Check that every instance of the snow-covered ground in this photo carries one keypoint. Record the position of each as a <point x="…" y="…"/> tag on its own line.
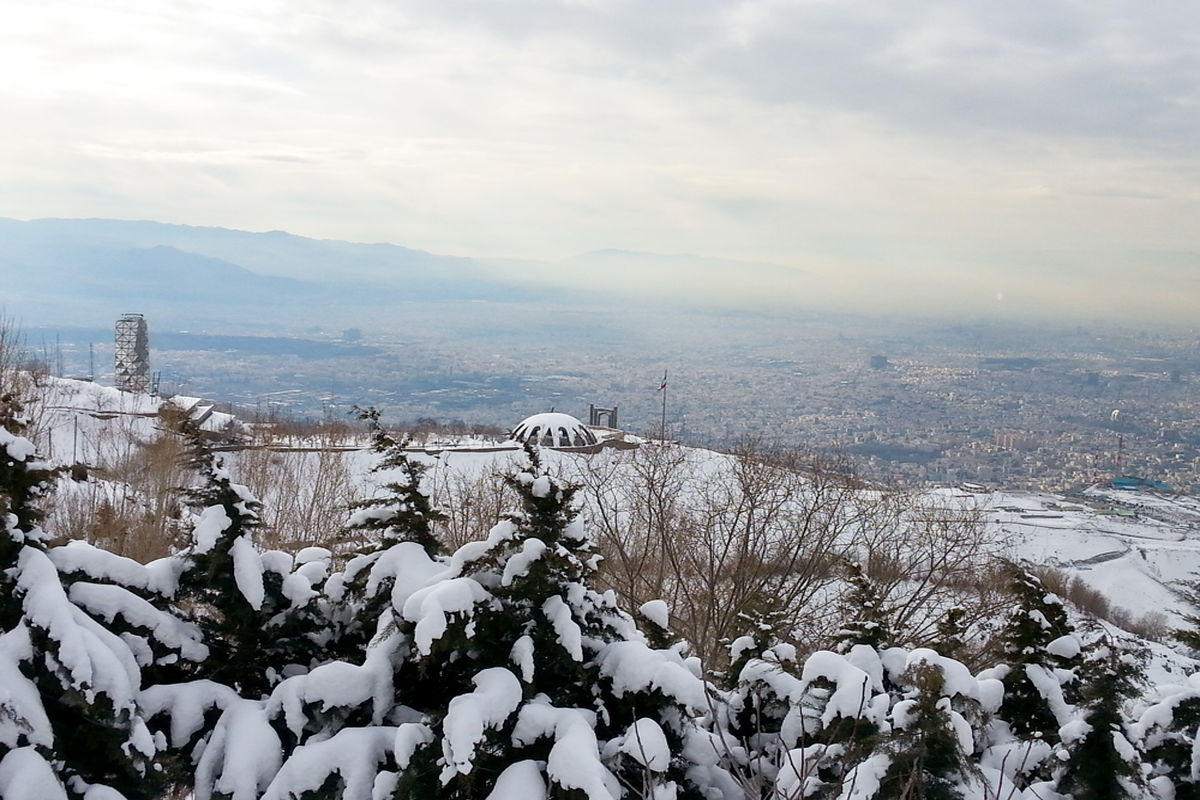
<point x="1132" y="546"/>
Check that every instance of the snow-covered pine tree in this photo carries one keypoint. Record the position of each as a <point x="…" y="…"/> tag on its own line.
<point x="1190" y="636"/>
<point x="257" y="612"/>
<point x="394" y="520"/>
<point x="402" y="512"/>
<point x="1038" y="649"/>
<point x="69" y="723"/>
<point x="862" y="607"/>
<point x="927" y="755"/>
<point x="837" y="718"/>
<point x="530" y="681"/>
<point x="1169" y="732"/>
<point x="1102" y="764"/>
<point x="761" y="682"/>
<point x="951" y="632"/>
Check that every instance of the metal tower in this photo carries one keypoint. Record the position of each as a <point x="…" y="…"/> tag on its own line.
<point x="132" y="354"/>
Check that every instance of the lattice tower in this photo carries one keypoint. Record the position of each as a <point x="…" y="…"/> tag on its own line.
<point x="132" y="353"/>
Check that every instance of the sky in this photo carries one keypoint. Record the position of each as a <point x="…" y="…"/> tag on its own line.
<point x="979" y="155"/>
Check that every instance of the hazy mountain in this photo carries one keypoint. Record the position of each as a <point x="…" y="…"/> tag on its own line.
<point x="57" y="270"/>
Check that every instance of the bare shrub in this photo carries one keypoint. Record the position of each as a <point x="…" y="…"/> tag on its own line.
<point x="472" y="502"/>
<point x="303" y="474"/>
<point x="720" y="539"/>
<point x="1153" y="625"/>
<point x="129" y="502"/>
<point x="926" y="555"/>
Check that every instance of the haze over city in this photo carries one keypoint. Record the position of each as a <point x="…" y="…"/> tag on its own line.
<point x="993" y="159"/>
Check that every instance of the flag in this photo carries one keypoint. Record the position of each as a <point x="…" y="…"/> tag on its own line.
<point x="664" y="382"/>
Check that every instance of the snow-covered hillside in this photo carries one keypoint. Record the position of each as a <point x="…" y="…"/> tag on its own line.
<point x="809" y="636"/>
<point x="1134" y="547"/>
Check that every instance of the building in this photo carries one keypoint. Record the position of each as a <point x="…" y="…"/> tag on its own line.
<point x="132" y="354"/>
<point x="554" y="430"/>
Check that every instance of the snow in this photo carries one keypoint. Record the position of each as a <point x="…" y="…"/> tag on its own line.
<point x="185" y="704"/>
<point x="211" y="523"/>
<point x="23" y="719"/>
<point x="634" y="667"/>
<point x="797" y="775"/>
<point x="647" y="744"/>
<point x="867" y="659"/>
<point x="769" y="673"/>
<point x="962" y="728"/>
<point x="1160" y="717"/>
<point x="298" y="589"/>
<point x="112" y="602"/>
<point x="160" y="577"/>
<point x="852" y="693"/>
<point x="431" y="606"/>
<point x="406" y="564"/>
<point x="354" y="754"/>
<point x="740" y="646"/>
<point x="1124" y="749"/>
<point x="658" y="612"/>
<point x="864" y="780"/>
<point x="519" y="563"/>
<point x="248" y="571"/>
<point x="957" y="680"/>
<point x="409" y="737"/>
<point x="340" y="684"/>
<point x="313" y="555"/>
<point x="991" y="694"/>
<point x="1065" y="647"/>
<point x="277" y="561"/>
<point x="521" y="656"/>
<point x="565" y="628"/>
<point x="385" y="785"/>
<point x="496" y="696"/>
<point x="1074" y="731"/>
<point x="574" y="763"/>
<point x="1049" y="687"/>
<point x="574" y="760"/>
<point x="94" y="659"/>
<point x="18" y="447"/>
<point x="520" y="781"/>
<point x="538" y="719"/>
<point x="1015" y="758"/>
<point x="25" y="775"/>
<point x="242" y="755"/>
<point x="541" y="486"/>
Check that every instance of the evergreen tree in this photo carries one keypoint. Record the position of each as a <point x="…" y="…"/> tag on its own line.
<point x="930" y="741"/>
<point x="1037" y="655"/>
<point x="238" y="597"/>
<point x="1190" y="637"/>
<point x="69" y="721"/>
<point x="514" y="676"/>
<point x="396" y="519"/>
<point x="1169" y="739"/>
<point x="950" y="634"/>
<point x="762" y="681"/>
<point x="402" y="512"/>
<point x="1102" y="764"/>
<point x="23" y="483"/>
<point x="863" y="607"/>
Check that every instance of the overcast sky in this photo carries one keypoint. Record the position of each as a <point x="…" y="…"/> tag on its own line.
<point x="1039" y="153"/>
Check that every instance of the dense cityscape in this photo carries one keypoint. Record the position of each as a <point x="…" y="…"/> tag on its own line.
<point x="917" y="403"/>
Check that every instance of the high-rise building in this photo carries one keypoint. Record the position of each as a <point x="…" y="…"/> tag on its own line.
<point x="132" y="354"/>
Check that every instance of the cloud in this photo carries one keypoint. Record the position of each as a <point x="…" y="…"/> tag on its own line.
<point x="870" y="144"/>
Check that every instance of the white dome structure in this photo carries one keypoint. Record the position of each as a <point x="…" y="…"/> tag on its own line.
<point x="553" y="430"/>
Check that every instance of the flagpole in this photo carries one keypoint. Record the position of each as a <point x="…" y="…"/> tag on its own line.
<point x="663" y="432"/>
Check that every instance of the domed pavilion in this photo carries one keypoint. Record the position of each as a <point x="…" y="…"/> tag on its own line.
<point x="553" y="430"/>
